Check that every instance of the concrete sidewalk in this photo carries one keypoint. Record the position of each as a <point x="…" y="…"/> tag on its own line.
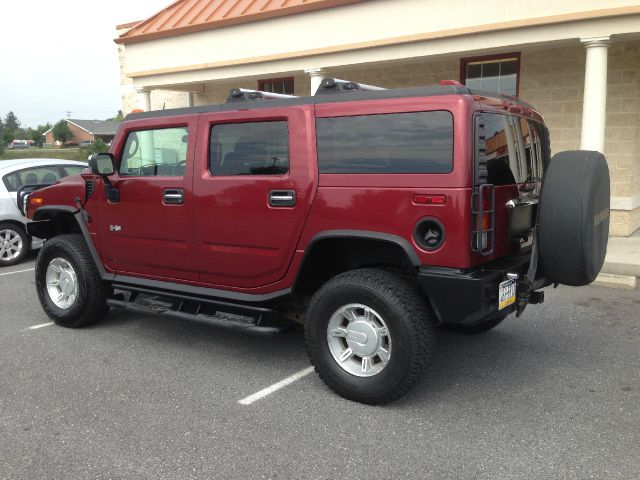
<point x="622" y="265"/>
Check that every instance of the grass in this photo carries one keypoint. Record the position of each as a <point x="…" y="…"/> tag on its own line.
<point x="61" y="153"/>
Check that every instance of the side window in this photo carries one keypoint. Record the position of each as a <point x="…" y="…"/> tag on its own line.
<point x="31" y="176"/>
<point x="159" y="152"/>
<point x="507" y="148"/>
<point x="259" y="148"/>
<point x="416" y="142"/>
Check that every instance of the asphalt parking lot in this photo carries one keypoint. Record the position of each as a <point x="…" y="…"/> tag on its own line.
<point x="554" y="394"/>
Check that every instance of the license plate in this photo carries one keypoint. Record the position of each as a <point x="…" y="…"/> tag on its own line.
<point x="506" y="293"/>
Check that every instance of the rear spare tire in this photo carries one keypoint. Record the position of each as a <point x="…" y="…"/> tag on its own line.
<point x="574" y="217"/>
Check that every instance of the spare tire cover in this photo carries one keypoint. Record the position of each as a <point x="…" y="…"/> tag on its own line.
<point x="573" y="226"/>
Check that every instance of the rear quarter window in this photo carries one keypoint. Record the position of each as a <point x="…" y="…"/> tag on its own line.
<point x="415" y="142"/>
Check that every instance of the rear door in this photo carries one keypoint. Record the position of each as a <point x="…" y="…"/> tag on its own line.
<point x="148" y="230"/>
<point x="253" y="187"/>
<point x="511" y="153"/>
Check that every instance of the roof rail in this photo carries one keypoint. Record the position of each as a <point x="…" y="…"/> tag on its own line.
<point x="244" y="94"/>
<point x="335" y="85"/>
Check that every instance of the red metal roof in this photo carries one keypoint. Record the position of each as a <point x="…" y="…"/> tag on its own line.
<point x="186" y="16"/>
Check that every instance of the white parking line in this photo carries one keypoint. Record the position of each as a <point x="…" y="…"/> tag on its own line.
<point x="17" y="271"/>
<point x="35" y="327"/>
<point x="275" y="387"/>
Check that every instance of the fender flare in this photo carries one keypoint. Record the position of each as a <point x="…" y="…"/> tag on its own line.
<point x="389" y="238"/>
<point x="41" y="228"/>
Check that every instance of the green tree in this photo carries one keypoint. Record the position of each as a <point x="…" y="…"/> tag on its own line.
<point x="98" y="146"/>
<point x="11" y="122"/>
<point x="1" y="137"/>
<point x="35" y="134"/>
<point x="118" y="118"/>
<point x="61" y="132"/>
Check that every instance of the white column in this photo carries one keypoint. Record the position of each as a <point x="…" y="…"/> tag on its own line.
<point x="316" y="75"/>
<point x="144" y="99"/>
<point x="595" y="93"/>
<point x="189" y="99"/>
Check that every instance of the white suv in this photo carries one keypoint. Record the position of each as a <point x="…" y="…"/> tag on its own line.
<point x="15" y="174"/>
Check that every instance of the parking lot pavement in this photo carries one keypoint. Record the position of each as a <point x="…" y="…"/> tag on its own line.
<point x="554" y="394"/>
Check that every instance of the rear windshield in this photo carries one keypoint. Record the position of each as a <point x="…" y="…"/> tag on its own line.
<point x="416" y="142"/>
<point x="510" y="149"/>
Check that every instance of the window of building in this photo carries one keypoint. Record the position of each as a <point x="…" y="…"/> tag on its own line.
<point x="277" y="85"/>
<point x="259" y="148"/>
<point x="492" y="73"/>
<point x="160" y="152"/>
<point x="417" y="142"/>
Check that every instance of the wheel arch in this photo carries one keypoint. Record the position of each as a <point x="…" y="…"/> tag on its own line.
<point x="52" y="220"/>
<point x="332" y="252"/>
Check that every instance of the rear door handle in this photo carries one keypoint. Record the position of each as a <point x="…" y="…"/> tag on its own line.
<point x="282" y="198"/>
<point x="173" y="196"/>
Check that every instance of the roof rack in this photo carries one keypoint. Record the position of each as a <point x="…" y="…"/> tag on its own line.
<point x="335" y="85"/>
<point x="244" y="94"/>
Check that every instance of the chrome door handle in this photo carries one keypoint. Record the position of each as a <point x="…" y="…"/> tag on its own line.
<point x="173" y="197"/>
<point x="282" y="198"/>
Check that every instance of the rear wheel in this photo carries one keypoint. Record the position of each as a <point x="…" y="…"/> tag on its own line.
<point x="68" y="283"/>
<point x="14" y="244"/>
<point x="369" y="335"/>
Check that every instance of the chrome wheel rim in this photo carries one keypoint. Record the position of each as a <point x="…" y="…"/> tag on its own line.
<point x="62" y="283"/>
<point x="359" y="340"/>
<point x="11" y="245"/>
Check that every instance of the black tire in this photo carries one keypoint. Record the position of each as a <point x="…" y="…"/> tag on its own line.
<point x="574" y="217"/>
<point x="481" y="327"/>
<point x="14" y="231"/>
<point x="408" y="320"/>
<point x="90" y="303"/>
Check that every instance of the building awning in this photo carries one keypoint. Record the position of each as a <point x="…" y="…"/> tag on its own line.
<point x="187" y="16"/>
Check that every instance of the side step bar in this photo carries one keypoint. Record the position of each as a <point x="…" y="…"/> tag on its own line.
<point x="144" y="300"/>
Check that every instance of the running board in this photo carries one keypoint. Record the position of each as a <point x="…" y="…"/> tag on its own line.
<point x="143" y="300"/>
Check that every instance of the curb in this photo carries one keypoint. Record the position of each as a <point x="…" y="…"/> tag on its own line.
<point x="616" y="281"/>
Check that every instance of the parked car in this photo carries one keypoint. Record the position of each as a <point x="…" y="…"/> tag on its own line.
<point x="85" y="143"/>
<point x="370" y="216"/>
<point x="18" y="145"/>
<point x="15" y="174"/>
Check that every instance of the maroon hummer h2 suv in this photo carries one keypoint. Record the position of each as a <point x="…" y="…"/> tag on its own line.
<point x="370" y="216"/>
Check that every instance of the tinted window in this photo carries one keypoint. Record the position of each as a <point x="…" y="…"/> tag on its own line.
<point x="260" y="148"/>
<point x="159" y="152"/>
<point x="31" y="176"/>
<point x="419" y="142"/>
<point x="511" y="148"/>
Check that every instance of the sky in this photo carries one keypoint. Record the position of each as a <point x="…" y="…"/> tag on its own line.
<point x="59" y="56"/>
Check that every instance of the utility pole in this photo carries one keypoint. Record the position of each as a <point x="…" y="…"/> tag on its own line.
<point x="68" y="114"/>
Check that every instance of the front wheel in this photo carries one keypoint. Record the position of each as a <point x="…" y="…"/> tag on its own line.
<point x="68" y="283"/>
<point x="369" y="335"/>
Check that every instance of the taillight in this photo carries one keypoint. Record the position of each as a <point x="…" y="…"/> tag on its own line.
<point x="483" y="219"/>
<point x="35" y="201"/>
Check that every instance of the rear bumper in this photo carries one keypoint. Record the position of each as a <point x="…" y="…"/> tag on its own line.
<point x="467" y="297"/>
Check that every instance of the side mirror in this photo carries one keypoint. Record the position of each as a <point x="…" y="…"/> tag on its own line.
<point x="101" y="164"/>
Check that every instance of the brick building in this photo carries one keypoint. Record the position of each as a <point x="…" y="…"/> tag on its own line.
<point x="577" y="61"/>
<point x="86" y="131"/>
